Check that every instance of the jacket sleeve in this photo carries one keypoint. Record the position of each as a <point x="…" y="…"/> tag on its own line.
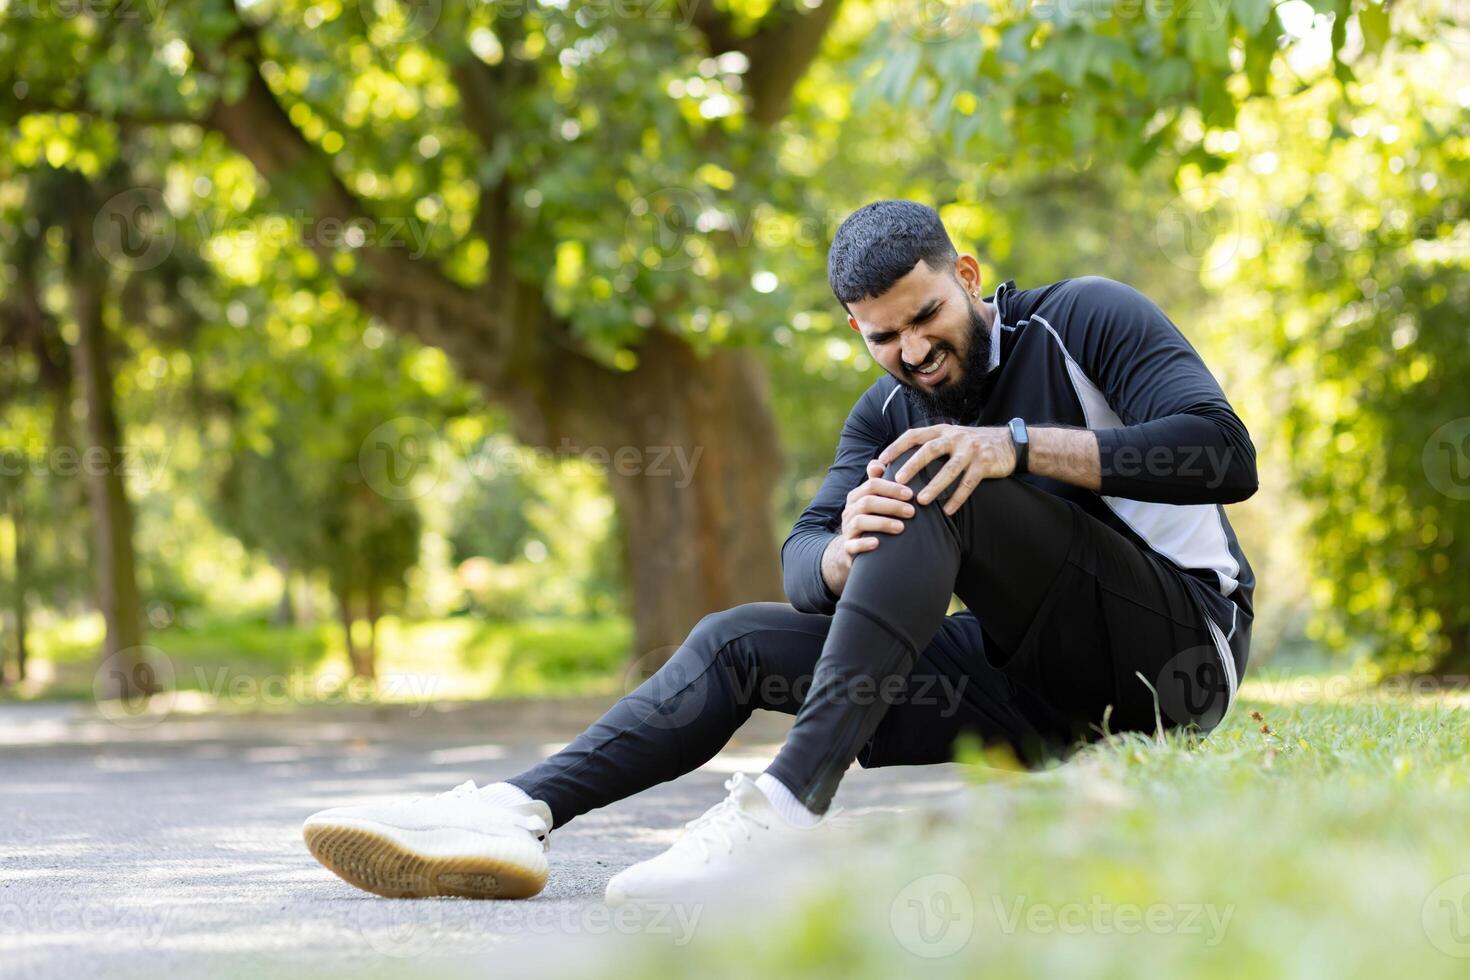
<point x="863" y="437"/>
<point x="1179" y="441"/>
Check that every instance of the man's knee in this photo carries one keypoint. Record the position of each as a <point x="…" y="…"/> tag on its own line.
<point x="990" y="496"/>
<point x="718" y="630"/>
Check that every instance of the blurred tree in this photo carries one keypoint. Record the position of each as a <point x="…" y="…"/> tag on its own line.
<point x="61" y="206"/>
<point x="1348" y="241"/>
<point x="517" y="142"/>
<point x="1075" y="84"/>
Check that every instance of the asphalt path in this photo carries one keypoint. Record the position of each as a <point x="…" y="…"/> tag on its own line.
<point x="172" y="848"/>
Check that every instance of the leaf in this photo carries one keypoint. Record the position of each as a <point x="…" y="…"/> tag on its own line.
<point x="1252" y="14"/>
<point x="1373" y="20"/>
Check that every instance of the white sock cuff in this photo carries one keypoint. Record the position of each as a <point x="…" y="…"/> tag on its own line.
<point x="504" y="794"/>
<point x="785" y="802"/>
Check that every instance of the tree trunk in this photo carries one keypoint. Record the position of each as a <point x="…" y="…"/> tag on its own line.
<point x="285" y="614"/>
<point x="360" y="661"/>
<point x="374" y="613"/>
<point x="695" y="545"/>
<point x="697" y="511"/>
<point x="344" y="613"/>
<point x="22" y="574"/>
<point x="112" y="514"/>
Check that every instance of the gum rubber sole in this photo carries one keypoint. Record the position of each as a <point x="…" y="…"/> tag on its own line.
<point x="376" y="862"/>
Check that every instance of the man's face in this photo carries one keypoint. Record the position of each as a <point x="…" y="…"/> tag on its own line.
<point x="929" y="333"/>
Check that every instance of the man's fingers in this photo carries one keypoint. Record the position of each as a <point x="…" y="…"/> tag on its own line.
<point x="928" y="452"/>
<point x="874" y="504"/>
<point x="946" y="475"/>
<point x="878" y="488"/>
<point x="856" y="546"/>
<point x="873" y="522"/>
<point x="911" y="437"/>
<point x="875" y="469"/>
<point x="962" y="492"/>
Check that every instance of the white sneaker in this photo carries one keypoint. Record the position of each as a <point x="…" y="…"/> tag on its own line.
<point x="740" y="829"/>
<point x="456" y="843"/>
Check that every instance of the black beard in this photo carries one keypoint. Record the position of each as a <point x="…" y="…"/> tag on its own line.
<point x="957" y="402"/>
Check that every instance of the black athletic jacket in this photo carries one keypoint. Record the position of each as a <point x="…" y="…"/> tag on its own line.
<point x="1093" y="353"/>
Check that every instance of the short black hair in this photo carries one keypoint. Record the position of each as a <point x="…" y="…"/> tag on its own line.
<point x="879" y="243"/>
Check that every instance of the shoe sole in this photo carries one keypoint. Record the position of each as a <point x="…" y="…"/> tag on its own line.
<point x="397" y="863"/>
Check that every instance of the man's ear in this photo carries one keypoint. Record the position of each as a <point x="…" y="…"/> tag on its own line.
<point x="852" y="322"/>
<point x="967" y="271"/>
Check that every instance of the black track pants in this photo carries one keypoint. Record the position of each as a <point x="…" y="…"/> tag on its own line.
<point x="1071" y="629"/>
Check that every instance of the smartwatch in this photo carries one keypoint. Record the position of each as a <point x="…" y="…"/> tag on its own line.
<point x="1022" y="444"/>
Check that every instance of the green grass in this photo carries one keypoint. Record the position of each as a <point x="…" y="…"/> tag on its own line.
<point x="248" y="664"/>
<point x="1332" y="842"/>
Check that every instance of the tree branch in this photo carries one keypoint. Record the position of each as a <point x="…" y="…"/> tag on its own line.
<point x="780" y="51"/>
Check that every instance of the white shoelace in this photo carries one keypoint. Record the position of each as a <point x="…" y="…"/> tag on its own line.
<point x="525" y="821"/>
<point x="724" y="823"/>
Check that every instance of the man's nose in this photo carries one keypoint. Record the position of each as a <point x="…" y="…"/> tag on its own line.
<point x="915" y="350"/>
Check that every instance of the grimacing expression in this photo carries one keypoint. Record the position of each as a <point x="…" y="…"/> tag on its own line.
<point x="920" y="330"/>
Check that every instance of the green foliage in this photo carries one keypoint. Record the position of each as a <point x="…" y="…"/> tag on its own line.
<point x="1080" y="84"/>
<point x="1353" y="255"/>
<point x="247" y="664"/>
<point x="1219" y="859"/>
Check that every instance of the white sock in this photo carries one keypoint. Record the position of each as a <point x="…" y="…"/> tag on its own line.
<point x="504" y="794"/>
<point x="785" y="802"/>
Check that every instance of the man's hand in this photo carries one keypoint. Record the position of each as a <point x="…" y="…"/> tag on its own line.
<point x="975" y="454"/>
<point x="875" y="505"/>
